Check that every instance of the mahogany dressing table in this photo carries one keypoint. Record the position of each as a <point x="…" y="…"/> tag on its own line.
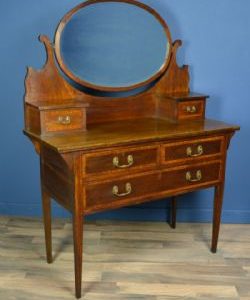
<point x="100" y="152"/>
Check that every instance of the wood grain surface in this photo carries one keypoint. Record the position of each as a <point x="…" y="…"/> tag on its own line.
<point x="125" y="260"/>
<point x="133" y="132"/>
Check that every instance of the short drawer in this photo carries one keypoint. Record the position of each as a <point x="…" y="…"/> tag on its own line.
<point x="63" y="120"/>
<point x="183" y="178"/>
<point x="191" y="109"/>
<point x="109" y="192"/>
<point x="194" y="149"/>
<point x="125" y="159"/>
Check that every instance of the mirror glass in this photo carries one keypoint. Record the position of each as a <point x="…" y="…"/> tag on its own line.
<point x="112" y="45"/>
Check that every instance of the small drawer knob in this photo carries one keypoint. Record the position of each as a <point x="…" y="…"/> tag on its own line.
<point x="199" y="151"/>
<point x="191" y="109"/>
<point x="116" y="162"/>
<point x="198" y="176"/>
<point x="128" y="190"/>
<point x="64" y="120"/>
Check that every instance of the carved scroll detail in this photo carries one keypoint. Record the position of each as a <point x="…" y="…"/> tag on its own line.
<point x="176" y="79"/>
<point x="47" y="84"/>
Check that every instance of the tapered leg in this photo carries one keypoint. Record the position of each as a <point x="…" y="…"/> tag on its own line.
<point x="78" y="241"/>
<point x="172" y="214"/>
<point x="218" y="200"/>
<point x="47" y="224"/>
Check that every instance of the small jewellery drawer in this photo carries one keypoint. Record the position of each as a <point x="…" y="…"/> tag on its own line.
<point x="126" y="159"/>
<point x="63" y="120"/>
<point x="182" y="152"/>
<point x="191" y="109"/>
<point x="185" y="177"/>
<point x="108" y="192"/>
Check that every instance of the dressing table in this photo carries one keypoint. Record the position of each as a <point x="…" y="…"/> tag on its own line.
<point x="114" y="122"/>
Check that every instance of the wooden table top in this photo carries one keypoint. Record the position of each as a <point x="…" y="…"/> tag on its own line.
<point x="131" y="132"/>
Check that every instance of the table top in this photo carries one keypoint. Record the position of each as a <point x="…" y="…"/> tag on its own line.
<point x="133" y="131"/>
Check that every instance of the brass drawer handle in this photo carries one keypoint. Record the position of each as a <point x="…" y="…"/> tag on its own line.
<point x="128" y="189"/>
<point x="191" y="109"/>
<point x="198" y="176"/>
<point x="116" y="164"/>
<point x="64" y="120"/>
<point x="199" y="151"/>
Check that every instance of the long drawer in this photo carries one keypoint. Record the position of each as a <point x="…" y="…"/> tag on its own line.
<point x="130" y="189"/>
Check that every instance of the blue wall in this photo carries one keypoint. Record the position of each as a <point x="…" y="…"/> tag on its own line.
<point x="216" y="36"/>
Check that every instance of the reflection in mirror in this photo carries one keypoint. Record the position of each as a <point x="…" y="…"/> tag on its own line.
<point x="113" y="45"/>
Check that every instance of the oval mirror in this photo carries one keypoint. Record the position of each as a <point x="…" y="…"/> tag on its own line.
<point x="113" y="45"/>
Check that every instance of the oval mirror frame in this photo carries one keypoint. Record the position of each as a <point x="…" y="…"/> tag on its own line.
<point x="84" y="83"/>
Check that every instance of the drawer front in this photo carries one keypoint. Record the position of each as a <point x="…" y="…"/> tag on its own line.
<point x="63" y="120"/>
<point x="188" y="177"/>
<point x="108" y="192"/>
<point x="126" y="191"/>
<point x="112" y="161"/>
<point x="191" y="109"/>
<point x="182" y="152"/>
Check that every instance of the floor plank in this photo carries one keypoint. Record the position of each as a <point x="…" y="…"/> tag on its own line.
<point x="125" y="261"/>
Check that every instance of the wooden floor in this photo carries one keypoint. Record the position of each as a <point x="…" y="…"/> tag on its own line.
<point x="125" y="261"/>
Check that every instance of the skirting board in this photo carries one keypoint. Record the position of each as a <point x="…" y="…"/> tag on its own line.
<point x="133" y="214"/>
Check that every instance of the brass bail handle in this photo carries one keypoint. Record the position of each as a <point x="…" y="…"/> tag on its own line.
<point x="64" y="120"/>
<point x="199" y="151"/>
<point x="197" y="178"/>
<point x="116" y="162"/>
<point x="128" y="190"/>
<point x="191" y="109"/>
